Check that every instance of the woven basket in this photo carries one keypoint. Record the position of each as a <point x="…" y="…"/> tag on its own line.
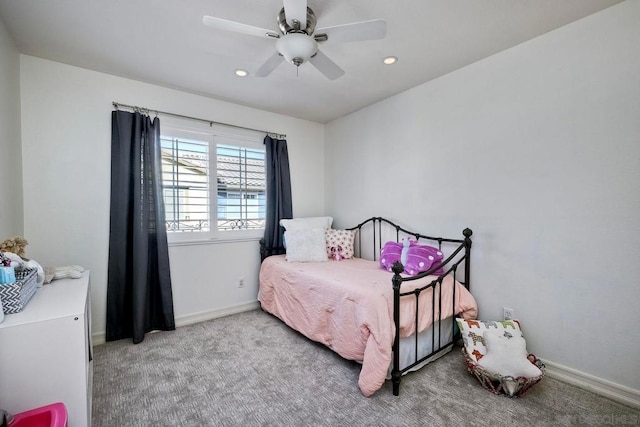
<point x="507" y="385"/>
<point x="16" y="295"/>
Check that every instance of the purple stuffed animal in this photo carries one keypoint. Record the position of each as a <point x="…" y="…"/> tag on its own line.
<point x="414" y="257"/>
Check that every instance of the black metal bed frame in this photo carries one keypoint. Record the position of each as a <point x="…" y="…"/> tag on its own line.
<point x="460" y="255"/>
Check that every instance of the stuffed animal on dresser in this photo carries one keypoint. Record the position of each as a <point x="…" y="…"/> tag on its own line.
<point x="15" y="244"/>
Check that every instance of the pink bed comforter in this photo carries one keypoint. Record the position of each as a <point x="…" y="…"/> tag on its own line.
<point x="348" y="306"/>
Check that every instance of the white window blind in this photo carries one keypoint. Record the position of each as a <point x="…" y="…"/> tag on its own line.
<point x="241" y="183"/>
<point x="185" y="182"/>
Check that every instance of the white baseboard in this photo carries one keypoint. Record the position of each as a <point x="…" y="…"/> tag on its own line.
<point x="602" y="387"/>
<point x="189" y="319"/>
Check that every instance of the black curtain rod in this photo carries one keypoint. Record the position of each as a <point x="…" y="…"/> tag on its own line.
<point x="211" y="122"/>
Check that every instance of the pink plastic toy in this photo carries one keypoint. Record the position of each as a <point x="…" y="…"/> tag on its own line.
<point x="53" y="415"/>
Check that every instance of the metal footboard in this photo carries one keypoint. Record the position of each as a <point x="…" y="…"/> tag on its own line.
<point x="459" y="259"/>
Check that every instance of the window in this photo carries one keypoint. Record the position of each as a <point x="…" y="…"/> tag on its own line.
<point x="242" y="191"/>
<point x="213" y="183"/>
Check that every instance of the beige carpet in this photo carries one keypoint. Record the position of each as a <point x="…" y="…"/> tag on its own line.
<point x="250" y="369"/>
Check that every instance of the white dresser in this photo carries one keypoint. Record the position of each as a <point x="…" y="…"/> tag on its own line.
<point x="46" y="353"/>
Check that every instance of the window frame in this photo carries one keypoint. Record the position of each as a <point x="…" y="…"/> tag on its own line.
<point x="213" y="134"/>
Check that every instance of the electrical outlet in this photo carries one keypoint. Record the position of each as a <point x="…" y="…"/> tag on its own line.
<point x="507" y="313"/>
<point x="241" y="282"/>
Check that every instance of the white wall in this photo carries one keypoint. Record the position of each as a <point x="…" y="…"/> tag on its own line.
<point x="10" y="153"/>
<point x="66" y="139"/>
<point x="537" y="149"/>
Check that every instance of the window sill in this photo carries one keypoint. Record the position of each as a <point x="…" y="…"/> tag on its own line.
<point x="214" y="241"/>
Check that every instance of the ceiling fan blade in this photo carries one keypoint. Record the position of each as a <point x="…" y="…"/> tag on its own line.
<point x="296" y="10"/>
<point x="356" y="31"/>
<point x="237" y="27"/>
<point x="271" y="64"/>
<point x="326" y="66"/>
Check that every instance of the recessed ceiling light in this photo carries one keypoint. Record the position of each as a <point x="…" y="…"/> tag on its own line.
<point x="390" y="60"/>
<point x="242" y="73"/>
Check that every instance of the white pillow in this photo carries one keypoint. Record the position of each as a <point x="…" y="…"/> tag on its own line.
<point x="473" y="334"/>
<point x="306" y="245"/>
<point x="507" y="357"/>
<point x="307" y="223"/>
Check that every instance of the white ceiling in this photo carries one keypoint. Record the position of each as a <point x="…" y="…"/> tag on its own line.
<point x="164" y="42"/>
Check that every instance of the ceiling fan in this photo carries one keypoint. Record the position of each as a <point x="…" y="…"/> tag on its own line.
<point x="298" y="38"/>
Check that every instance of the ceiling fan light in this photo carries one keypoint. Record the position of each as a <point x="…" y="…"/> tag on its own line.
<point x="297" y="48"/>
<point x="241" y="73"/>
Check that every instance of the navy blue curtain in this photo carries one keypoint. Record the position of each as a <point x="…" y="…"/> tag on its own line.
<point x="139" y="295"/>
<point x="279" y="204"/>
